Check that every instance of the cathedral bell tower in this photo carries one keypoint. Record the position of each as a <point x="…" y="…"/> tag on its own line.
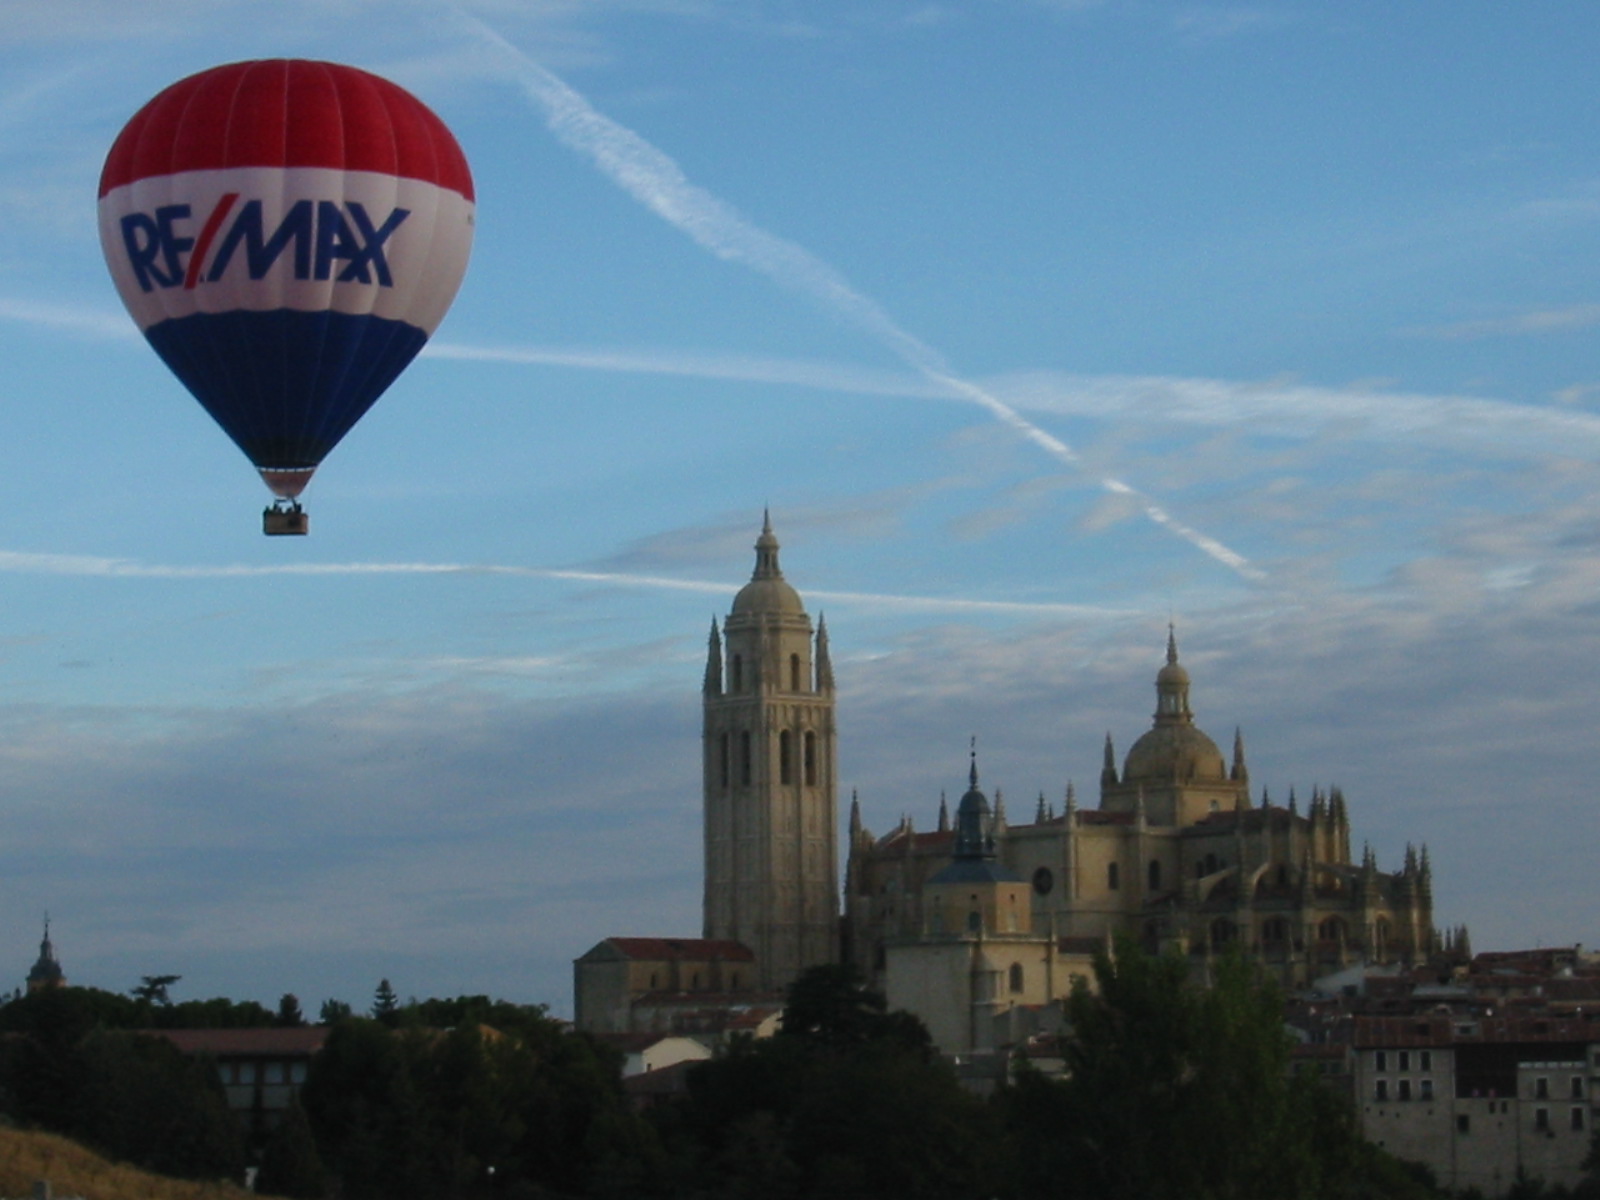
<point x="771" y="783"/>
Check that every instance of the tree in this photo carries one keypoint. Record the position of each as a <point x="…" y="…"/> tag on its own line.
<point x="290" y="1165"/>
<point x="1174" y="1090"/>
<point x="289" y="1014"/>
<point x="385" y="1004"/>
<point x="333" y="1011"/>
<point x="152" y="989"/>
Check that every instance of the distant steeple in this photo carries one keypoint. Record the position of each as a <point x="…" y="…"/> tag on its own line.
<point x="1108" y="771"/>
<point x="713" y="683"/>
<point x="944" y="813"/>
<point x="1240" y="773"/>
<point x="824" y="661"/>
<point x="47" y="972"/>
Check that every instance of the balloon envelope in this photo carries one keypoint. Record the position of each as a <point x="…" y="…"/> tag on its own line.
<point x="287" y="235"/>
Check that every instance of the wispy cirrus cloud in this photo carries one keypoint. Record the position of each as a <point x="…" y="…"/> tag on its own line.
<point x="1540" y="321"/>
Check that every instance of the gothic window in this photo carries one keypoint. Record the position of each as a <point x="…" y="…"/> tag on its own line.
<point x="1111" y="877"/>
<point x="1223" y="931"/>
<point x="737" y="672"/>
<point x="1275" y="930"/>
<point x="811" y="759"/>
<point x="744" y="757"/>
<point x="723" y="755"/>
<point x="1016" y="985"/>
<point x="794" y="672"/>
<point x="784" y="769"/>
<point x="1331" y="930"/>
<point x="1211" y="864"/>
<point x="1153" y="876"/>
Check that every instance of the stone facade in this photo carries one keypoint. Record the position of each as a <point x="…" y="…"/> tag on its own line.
<point x="1176" y="856"/>
<point x="771" y="779"/>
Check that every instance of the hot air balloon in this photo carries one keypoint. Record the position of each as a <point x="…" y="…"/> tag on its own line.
<point x="287" y="234"/>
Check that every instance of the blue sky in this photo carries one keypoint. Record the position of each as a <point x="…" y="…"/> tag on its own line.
<point x="1036" y="324"/>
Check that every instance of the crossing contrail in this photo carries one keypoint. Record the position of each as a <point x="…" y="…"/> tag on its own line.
<point x="24" y="563"/>
<point x="656" y="181"/>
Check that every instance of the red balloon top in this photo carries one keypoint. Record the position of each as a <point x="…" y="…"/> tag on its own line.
<point x="287" y="112"/>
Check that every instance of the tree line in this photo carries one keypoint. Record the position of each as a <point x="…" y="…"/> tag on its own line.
<point x="1171" y="1091"/>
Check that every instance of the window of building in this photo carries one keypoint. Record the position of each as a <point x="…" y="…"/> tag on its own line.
<point x="724" y="754"/>
<point x="1405" y="1060"/>
<point x="1381" y="1060"/>
<point x="1153" y="875"/>
<point x="1405" y="1089"/>
<point x="1016" y="978"/>
<point x="785" y="769"/>
<point x="1541" y="1118"/>
<point x="736" y="673"/>
<point x="1426" y="1089"/>
<point x="1541" y="1088"/>
<point x="1463" y="1123"/>
<point x="1577" y="1087"/>
<point x="247" y="1072"/>
<point x="272" y="1072"/>
<point x="1577" y="1120"/>
<point x="1111" y="877"/>
<point x="297" y="1072"/>
<point x="744" y="757"/>
<point x="811" y="759"/>
<point x="1426" y="1059"/>
<point x="1380" y="1090"/>
<point x="974" y="921"/>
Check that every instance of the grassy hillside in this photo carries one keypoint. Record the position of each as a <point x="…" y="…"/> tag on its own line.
<point x="74" y="1171"/>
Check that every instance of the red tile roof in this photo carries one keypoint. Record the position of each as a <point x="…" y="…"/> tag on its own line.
<point x="300" y="1042"/>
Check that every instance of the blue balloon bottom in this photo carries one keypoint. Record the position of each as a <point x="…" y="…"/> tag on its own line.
<point x="285" y="385"/>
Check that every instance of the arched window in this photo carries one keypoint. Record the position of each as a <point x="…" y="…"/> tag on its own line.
<point x="811" y="758"/>
<point x="737" y="673"/>
<point x="794" y="672"/>
<point x="744" y="757"/>
<point x="784" y="769"/>
<point x="1016" y="977"/>
<point x="1331" y="930"/>
<point x="1153" y="875"/>
<point x="1111" y="877"/>
<point x="1223" y="931"/>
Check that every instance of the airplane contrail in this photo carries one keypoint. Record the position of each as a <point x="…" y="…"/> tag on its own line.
<point x="24" y="563"/>
<point x="656" y="181"/>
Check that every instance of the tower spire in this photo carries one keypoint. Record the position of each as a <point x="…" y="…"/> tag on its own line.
<point x="713" y="681"/>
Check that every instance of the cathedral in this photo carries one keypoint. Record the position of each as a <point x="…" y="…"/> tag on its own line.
<point x="980" y="925"/>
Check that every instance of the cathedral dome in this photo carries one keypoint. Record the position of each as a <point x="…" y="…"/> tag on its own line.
<point x="767" y="592"/>
<point x="1174" y="753"/>
<point x="1174" y="750"/>
<point x="768" y="596"/>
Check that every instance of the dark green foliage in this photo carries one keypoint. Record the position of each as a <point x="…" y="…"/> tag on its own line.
<point x="419" y="1112"/>
<point x="1176" y="1091"/>
<point x="847" y="1101"/>
<point x="289" y="1014"/>
<point x="290" y="1165"/>
<point x="152" y="989"/>
<point x="385" y="1004"/>
<point x="333" y="1011"/>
